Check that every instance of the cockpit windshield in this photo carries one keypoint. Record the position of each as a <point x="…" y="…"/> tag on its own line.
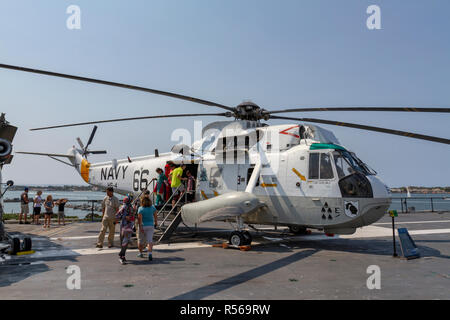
<point x="368" y="169"/>
<point x="347" y="163"/>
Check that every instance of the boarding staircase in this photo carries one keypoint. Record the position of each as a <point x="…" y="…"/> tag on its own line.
<point x="169" y="217"/>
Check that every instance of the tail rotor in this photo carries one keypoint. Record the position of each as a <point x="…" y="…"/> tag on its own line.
<point x="85" y="149"/>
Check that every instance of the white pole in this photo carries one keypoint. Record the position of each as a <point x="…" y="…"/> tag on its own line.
<point x="254" y="178"/>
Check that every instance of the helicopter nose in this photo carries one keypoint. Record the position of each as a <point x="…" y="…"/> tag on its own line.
<point x="376" y="207"/>
<point x="375" y="211"/>
<point x="379" y="188"/>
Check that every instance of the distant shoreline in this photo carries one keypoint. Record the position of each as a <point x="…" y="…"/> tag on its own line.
<point x="67" y="188"/>
<point x="422" y="190"/>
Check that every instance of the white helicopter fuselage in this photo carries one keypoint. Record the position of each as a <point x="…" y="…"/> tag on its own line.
<point x="305" y="178"/>
<point x="282" y="175"/>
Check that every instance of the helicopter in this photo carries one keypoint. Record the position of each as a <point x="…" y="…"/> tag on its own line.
<point x="296" y="175"/>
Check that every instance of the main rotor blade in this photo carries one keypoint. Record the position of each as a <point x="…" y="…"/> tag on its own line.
<point x="383" y="109"/>
<point x="47" y="154"/>
<point x="136" y="118"/>
<point x="369" y="128"/>
<point x="116" y="84"/>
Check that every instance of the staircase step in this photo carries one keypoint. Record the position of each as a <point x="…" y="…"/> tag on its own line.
<point x="171" y="228"/>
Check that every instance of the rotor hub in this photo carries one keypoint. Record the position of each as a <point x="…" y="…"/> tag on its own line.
<point x="248" y="110"/>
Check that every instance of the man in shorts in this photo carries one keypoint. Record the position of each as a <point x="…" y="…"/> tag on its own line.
<point x="24" y="206"/>
<point x="37" y="205"/>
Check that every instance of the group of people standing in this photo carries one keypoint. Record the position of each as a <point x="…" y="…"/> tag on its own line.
<point x="140" y="215"/>
<point x="38" y="203"/>
<point x="170" y="182"/>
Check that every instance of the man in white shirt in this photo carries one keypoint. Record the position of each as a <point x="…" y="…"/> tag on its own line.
<point x="110" y="206"/>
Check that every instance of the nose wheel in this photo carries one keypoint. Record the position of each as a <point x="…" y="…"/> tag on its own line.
<point x="240" y="238"/>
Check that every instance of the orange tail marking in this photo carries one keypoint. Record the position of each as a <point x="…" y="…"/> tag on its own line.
<point x="85" y="165"/>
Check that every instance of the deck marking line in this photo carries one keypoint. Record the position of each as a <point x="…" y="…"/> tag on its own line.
<point x="412" y="222"/>
<point x="366" y="232"/>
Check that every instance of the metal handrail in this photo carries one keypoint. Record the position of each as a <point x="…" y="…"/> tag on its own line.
<point x="142" y="192"/>
<point x="168" y="201"/>
<point x="412" y="198"/>
<point x="185" y="199"/>
<point x="173" y="208"/>
<point x="404" y="202"/>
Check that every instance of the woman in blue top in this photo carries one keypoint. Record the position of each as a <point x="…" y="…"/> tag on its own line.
<point x="148" y="219"/>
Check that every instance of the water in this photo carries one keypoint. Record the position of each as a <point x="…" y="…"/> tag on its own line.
<point x="14" y="207"/>
<point x="419" y="204"/>
<point x="439" y="203"/>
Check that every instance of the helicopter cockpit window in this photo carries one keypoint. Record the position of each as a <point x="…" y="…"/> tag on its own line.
<point x="347" y="164"/>
<point x="368" y="169"/>
<point x="343" y="167"/>
<point x="326" y="170"/>
<point x="353" y="182"/>
<point x="313" y="166"/>
<point x="320" y="166"/>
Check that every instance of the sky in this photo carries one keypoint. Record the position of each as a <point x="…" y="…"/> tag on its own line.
<point x="279" y="54"/>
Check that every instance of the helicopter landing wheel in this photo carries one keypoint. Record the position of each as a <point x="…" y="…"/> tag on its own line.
<point x="26" y="244"/>
<point x="237" y="238"/>
<point x="15" y="245"/>
<point x="240" y="238"/>
<point x="297" y="230"/>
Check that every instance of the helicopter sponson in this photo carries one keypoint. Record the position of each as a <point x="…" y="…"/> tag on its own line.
<point x="229" y="206"/>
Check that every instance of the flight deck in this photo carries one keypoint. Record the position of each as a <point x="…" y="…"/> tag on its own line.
<point x="279" y="265"/>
